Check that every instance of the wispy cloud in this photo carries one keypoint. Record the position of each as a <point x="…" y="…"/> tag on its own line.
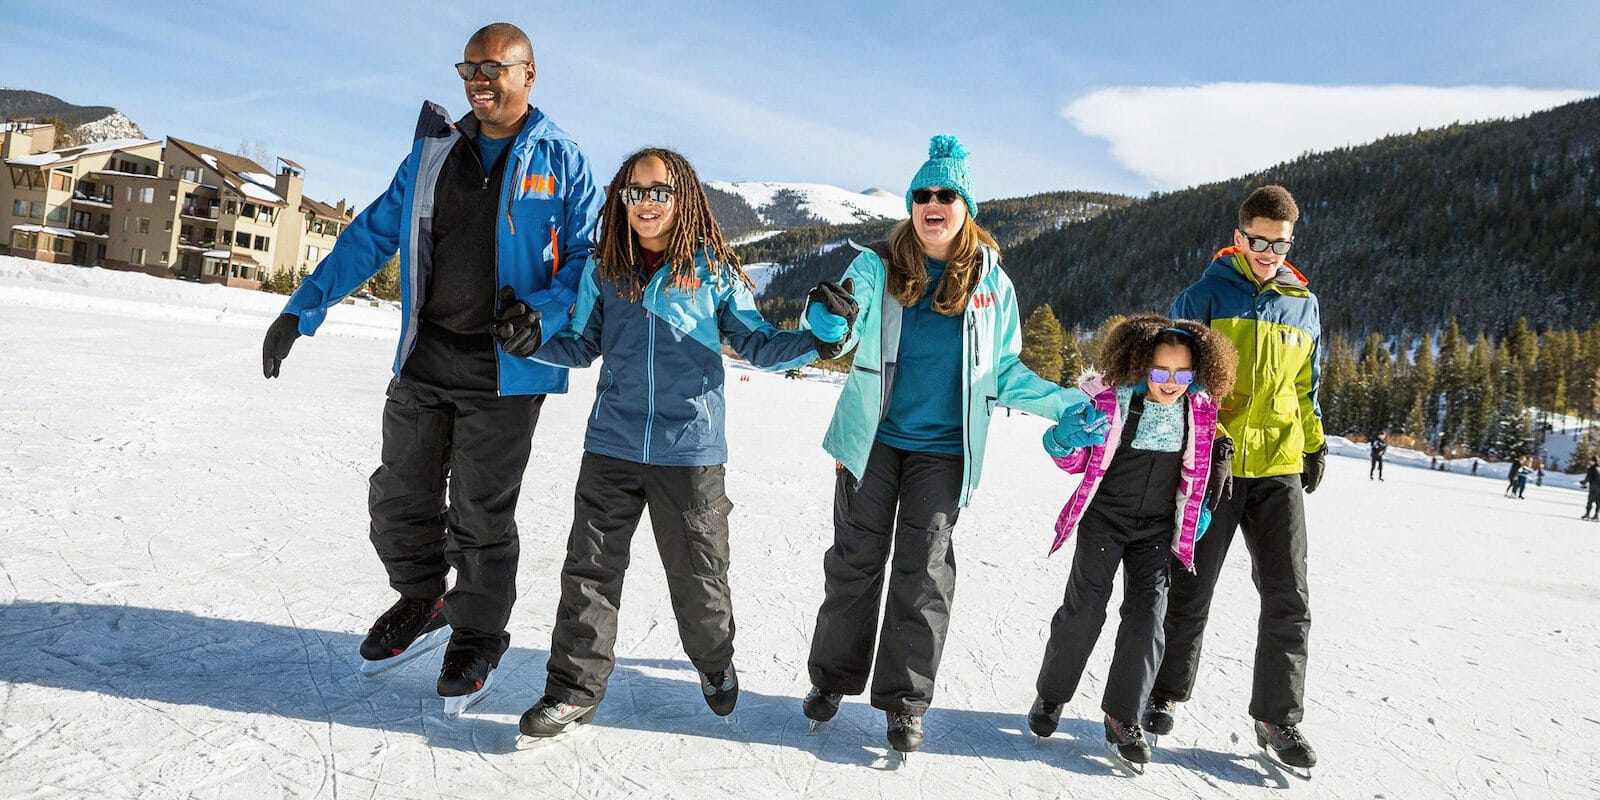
<point x="1188" y="135"/>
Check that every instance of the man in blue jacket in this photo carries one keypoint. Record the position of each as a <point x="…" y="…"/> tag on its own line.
<point x="493" y="217"/>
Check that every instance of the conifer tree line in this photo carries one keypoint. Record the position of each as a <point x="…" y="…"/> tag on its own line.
<point x="1488" y="397"/>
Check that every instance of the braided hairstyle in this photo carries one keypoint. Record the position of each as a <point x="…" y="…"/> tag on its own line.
<point x="694" y="230"/>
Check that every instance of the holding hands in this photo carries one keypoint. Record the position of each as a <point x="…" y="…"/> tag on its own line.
<point x="1084" y="426"/>
<point x="832" y="310"/>
<point x="516" y="327"/>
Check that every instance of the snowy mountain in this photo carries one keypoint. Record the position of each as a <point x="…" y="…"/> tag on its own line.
<point x="790" y="205"/>
<point x="186" y="578"/>
<point x="89" y="123"/>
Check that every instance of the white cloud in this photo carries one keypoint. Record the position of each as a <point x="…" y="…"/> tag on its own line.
<point x="1188" y="135"/>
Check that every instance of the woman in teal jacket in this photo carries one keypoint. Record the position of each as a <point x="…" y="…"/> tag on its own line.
<point x="936" y="342"/>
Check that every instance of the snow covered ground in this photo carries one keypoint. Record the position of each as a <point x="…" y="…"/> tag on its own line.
<point x="187" y="577"/>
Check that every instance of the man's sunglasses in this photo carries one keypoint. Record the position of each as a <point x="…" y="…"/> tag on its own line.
<point x="1260" y="245"/>
<point x="634" y="195"/>
<point x="946" y="196"/>
<point x="489" y="69"/>
<point x="1182" y="377"/>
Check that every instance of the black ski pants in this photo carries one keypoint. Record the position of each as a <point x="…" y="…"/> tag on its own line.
<point x="446" y="493"/>
<point x="1270" y="512"/>
<point x="1592" y="508"/>
<point x="1377" y="466"/>
<point x="689" y="515"/>
<point x="1141" y="547"/>
<point x="906" y="502"/>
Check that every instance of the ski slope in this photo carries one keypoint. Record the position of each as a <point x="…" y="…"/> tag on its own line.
<point x="186" y="577"/>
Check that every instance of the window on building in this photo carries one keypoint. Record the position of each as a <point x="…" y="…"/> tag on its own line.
<point x="313" y="253"/>
<point x="19" y="208"/>
<point x="127" y="193"/>
<point x="172" y="194"/>
<point x="124" y="223"/>
<point x="24" y="241"/>
<point x="61" y="180"/>
<point x="136" y="258"/>
<point x="147" y="194"/>
<point x="189" y="174"/>
<point x="211" y="234"/>
<point x="164" y="256"/>
<point x="99" y="254"/>
<point x="187" y="232"/>
<point x="36" y="209"/>
<point x="227" y="237"/>
<point x="168" y="226"/>
<point x="233" y="207"/>
<point x="263" y="243"/>
<point x="57" y="214"/>
<point x="249" y="210"/>
<point x="144" y="225"/>
<point x="58" y="245"/>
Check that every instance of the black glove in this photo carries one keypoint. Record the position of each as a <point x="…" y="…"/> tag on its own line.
<point x="1220" y="485"/>
<point x="835" y="303"/>
<point x="275" y="348"/>
<point x="1315" y="464"/>
<point x="516" y="328"/>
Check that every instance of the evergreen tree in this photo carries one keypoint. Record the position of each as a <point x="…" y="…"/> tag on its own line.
<point x="1374" y="385"/>
<point x="1416" y="422"/>
<point x="1091" y="351"/>
<point x="386" y="284"/>
<point x="1423" y="379"/>
<point x="1452" y="376"/>
<point x="1478" y="394"/>
<point x="1071" y="358"/>
<point x="1041" y="344"/>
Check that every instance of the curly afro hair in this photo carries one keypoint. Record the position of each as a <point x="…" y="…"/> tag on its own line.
<point x="1131" y="345"/>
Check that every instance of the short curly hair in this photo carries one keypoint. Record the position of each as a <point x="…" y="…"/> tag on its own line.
<point x="1131" y="345"/>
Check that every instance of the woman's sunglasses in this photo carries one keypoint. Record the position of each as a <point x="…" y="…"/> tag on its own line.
<point x="1182" y="377"/>
<point x="1260" y="245"/>
<point x="946" y="197"/>
<point x="634" y="195"/>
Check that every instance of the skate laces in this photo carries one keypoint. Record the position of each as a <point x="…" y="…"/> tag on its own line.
<point x="404" y="615"/>
<point x="899" y="720"/>
<point x="1126" y="734"/>
<point x="720" y="681"/>
<point x="1289" y="734"/>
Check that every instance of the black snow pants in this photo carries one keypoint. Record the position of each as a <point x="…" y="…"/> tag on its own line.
<point x="1128" y="524"/>
<point x="906" y="502"/>
<point x="1271" y="514"/>
<point x="446" y="494"/>
<point x="689" y="514"/>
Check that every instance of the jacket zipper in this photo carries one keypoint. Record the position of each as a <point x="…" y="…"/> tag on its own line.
<point x="650" y="379"/>
<point x="610" y="380"/>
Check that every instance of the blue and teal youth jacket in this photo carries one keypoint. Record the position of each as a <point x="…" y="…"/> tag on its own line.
<point x="548" y="206"/>
<point x="993" y="375"/>
<point x="660" y="399"/>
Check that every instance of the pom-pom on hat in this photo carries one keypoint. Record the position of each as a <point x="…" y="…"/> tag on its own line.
<point x="946" y="166"/>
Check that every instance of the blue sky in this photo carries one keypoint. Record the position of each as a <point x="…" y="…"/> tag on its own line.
<point x="1123" y="97"/>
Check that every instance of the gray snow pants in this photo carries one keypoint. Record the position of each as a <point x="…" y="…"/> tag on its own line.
<point x="689" y="514"/>
<point x="907" y="502"/>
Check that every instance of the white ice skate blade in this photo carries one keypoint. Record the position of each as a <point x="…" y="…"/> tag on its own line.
<point x="1272" y="758"/>
<point x="421" y="645"/>
<point x="455" y="706"/>
<point x="1133" y="770"/>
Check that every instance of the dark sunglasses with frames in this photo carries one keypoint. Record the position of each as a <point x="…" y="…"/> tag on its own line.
<point x="634" y="195"/>
<point x="1260" y="245"/>
<point x="489" y="69"/>
<point x="1182" y="377"/>
<point x="946" y="197"/>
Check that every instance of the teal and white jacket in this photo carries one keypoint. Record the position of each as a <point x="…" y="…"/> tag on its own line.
<point x="991" y="339"/>
<point x="660" y="396"/>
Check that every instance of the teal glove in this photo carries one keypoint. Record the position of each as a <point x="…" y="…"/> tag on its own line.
<point x="1085" y="426"/>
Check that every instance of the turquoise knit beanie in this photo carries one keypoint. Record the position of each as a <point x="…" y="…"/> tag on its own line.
<point x="946" y="166"/>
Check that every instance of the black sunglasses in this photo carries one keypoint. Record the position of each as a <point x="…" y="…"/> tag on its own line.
<point x="489" y="69"/>
<point x="1260" y="245"/>
<point x="946" y="197"/>
<point x="659" y="193"/>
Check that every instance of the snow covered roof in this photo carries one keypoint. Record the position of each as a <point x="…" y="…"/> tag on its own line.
<point x="218" y="253"/>
<point x="30" y="228"/>
<point x="259" y="177"/>
<point x="66" y="154"/>
<point x="260" y="193"/>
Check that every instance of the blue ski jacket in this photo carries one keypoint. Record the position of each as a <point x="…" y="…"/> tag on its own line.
<point x="660" y="399"/>
<point x="548" y="206"/>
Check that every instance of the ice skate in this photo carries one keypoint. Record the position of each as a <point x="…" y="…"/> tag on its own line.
<point x="1284" y="746"/>
<point x="407" y="630"/>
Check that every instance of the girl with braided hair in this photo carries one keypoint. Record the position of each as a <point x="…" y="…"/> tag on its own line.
<point x="658" y="296"/>
<point x="1146" y="490"/>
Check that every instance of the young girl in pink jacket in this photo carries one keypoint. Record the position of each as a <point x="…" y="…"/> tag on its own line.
<point x="1146" y="490"/>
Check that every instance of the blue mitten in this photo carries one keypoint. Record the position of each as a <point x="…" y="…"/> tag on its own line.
<point x="1084" y="426"/>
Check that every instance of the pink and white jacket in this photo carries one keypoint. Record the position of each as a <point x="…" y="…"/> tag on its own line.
<point x="1092" y="463"/>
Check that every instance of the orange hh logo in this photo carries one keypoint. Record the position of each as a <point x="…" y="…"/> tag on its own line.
<point x="690" y="282"/>
<point x="985" y="300"/>
<point x="539" y="184"/>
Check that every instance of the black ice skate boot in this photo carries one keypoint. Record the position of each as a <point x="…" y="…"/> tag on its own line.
<point x="1158" y="715"/>
<point x="1127" y="745"/>
<point x="721" y="689"/>
<point x="1043" y="717"/>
